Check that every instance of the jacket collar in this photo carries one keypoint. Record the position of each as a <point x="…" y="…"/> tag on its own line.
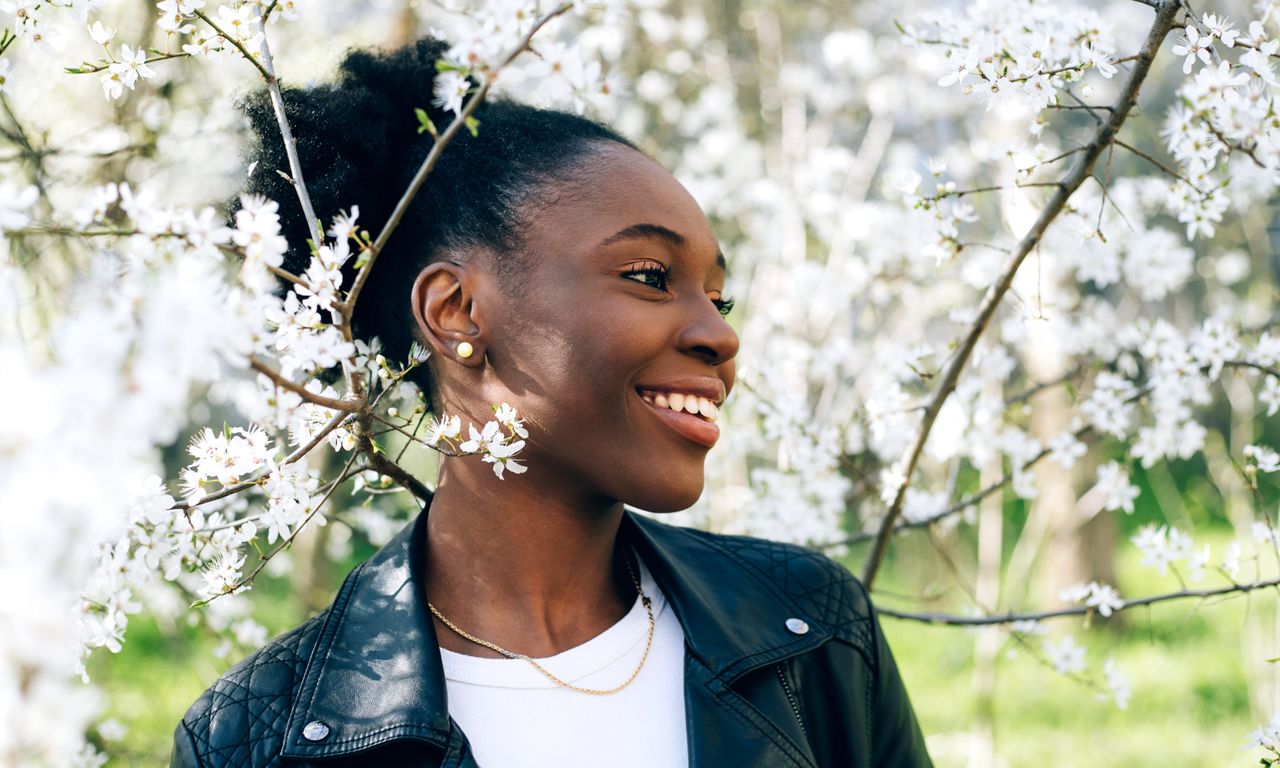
<point x="375" y="674"/>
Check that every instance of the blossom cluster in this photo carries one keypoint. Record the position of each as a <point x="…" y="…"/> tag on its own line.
<point x="1225" y="113"/>
<point x="1020" y="53"/>
<point x="1103" y="597"/>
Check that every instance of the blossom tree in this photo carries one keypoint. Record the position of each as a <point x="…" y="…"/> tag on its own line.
<point x="1002" y="247"/>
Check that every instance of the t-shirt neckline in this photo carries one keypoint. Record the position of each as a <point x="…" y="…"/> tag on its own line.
<point x="571" y="664"/>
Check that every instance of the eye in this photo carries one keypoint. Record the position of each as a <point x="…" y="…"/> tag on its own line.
<point x="653" y="268"/>
<point x="662" y="274"/>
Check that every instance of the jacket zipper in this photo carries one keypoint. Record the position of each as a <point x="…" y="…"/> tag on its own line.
<point x="791" y="698"/>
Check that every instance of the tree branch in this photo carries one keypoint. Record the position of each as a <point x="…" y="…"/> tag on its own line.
<point x="1077" y="610"/>
<point x="1157" y="164"/>
<point x="350" y="406"/>
<point x="236" y="43"/>
<point x="286" y="134"/>
<point x="1160" y="27"/>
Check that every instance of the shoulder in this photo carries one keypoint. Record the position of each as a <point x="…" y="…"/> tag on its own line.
<point x="241" y="718"/>
<point x="819" y="585"/>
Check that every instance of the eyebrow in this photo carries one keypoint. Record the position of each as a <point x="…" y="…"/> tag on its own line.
<point x="657" y="232"/>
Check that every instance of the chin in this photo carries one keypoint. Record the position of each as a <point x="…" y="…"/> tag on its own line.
<point x="669" y="497"/>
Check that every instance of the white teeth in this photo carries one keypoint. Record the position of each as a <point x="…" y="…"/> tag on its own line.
<point x="680" y="402"/>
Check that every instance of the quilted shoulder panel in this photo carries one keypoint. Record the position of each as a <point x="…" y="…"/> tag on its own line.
<point x="818" y="584"/>
<point x="240" y="720"/>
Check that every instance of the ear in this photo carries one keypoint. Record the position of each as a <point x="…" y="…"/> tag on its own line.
<point x="445" y="308"/>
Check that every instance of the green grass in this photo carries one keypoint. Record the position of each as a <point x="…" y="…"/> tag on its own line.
<point x="1185" y="663"/>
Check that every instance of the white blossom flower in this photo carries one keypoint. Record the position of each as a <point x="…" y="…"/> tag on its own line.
<point x="100" y="34"/>
<point x="1264" y="458"/>
<point x="1118" y="492"/>
<point x="1094" y="595"/>
<point x="1220" y="28"/>
<point x="131" y="66"/>
<point x="1065" y="448"/>
<point x="1028" y="627"/>
<point x="507" y="417"/>
<point x="443" y="427"/>
<point x="1064" y="655"/>
<point x="451" y="88"/>
<point x="1266" y="736"/>
<point x="501" y="455"/>
<point x="1267" y="534"/>
<point x="1163" y="546"/>
<point x="1193" y="46"/>
<point x="1118" y="683"/>
<point x="239" y="21"/>
<point x="1231" y="561"/>
<point x="480" y="439"/>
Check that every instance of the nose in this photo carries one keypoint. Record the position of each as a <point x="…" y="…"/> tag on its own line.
<point x="707" y="335"/>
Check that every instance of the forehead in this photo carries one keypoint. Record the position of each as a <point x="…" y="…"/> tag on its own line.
<point x="615" y="187"/>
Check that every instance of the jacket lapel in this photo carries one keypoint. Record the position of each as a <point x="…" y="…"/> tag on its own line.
<point x="375" y="674"/>
<point x="734" y="621"/>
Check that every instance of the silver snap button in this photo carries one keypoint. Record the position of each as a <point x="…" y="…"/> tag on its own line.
<point x="315" y="731"/>
<point x="797" y="626"/>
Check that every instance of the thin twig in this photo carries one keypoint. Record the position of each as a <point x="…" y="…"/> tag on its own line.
<point x="1156" y="163"/>
<point x="1035" y="389"/>
<point x="286" y="135"/>
<point x="995" y="188"/>
<point x="351" y="406"/>
<point x="434" y="155"/>
<point x="1078" y="610"/>
<point x="315" y="440"/>
<point x="89" y="69"/>
<point x="995" y="294"/>
<point x="238" y="46"/>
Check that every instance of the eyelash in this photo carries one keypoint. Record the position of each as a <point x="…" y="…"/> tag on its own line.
<point x="724" y="306"/>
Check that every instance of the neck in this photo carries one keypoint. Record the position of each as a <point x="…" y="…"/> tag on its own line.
<point x="522" y="565"/>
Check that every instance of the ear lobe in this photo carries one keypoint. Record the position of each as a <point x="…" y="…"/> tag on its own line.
<point x="443" y="304"/>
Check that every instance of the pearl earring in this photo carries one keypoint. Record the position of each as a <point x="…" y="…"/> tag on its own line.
<point x="465" y="349"/>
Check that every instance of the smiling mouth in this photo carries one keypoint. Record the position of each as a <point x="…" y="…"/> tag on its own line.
<point x="698" y="425"/>
<point x="680" y="402"/>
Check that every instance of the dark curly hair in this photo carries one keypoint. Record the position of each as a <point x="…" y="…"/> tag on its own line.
<point x="359" y="145"/>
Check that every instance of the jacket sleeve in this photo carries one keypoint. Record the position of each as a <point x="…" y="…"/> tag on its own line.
<point x="184" y="749"/>
<point x="896" y="740"/>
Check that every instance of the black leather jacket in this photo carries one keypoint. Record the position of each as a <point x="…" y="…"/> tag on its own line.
<point x="362" y="682"/>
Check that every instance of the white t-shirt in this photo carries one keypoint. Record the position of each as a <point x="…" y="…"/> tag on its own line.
<point x="514" y="715"/>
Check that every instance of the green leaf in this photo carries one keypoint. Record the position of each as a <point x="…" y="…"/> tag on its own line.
<point x="424" y="122"/>
<point x="472" y="124"/>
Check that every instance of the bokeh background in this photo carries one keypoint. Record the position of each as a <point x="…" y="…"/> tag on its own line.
<point x="794" y="125"/>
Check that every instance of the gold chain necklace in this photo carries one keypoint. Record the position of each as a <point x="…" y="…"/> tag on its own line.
<point x="599" y="692"/>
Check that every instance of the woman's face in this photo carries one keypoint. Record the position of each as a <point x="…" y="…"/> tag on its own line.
<point x="598" y="331"/>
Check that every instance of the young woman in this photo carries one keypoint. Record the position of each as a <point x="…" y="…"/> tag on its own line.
<point x="535" y="621"/>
